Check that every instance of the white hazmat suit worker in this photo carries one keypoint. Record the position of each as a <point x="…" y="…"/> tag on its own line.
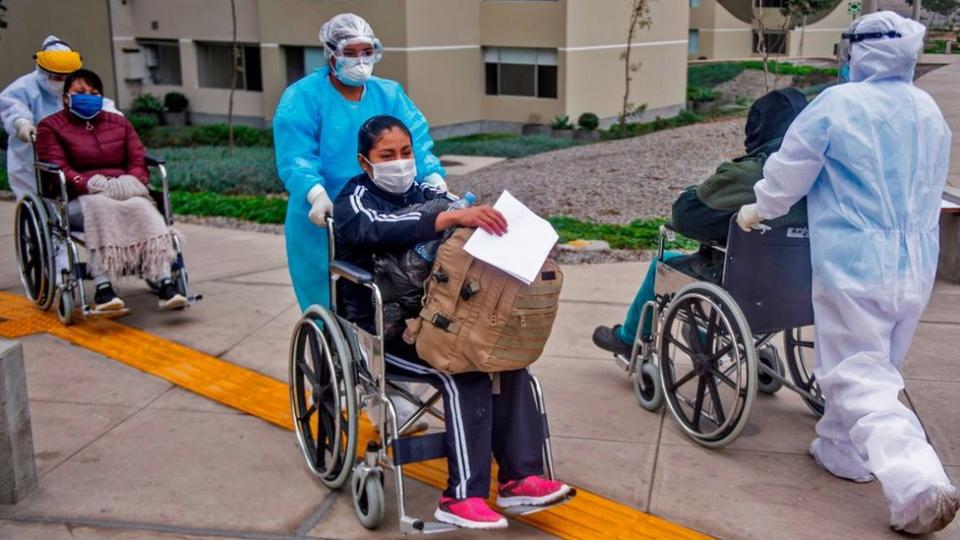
<point x="871" y="157"/>
<point x="30" y="99"/>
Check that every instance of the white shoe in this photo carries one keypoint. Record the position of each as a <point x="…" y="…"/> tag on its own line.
<point x="840" y="466"/>
<point x="929" y="512"/>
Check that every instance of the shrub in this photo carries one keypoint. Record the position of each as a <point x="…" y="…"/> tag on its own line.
<point x="634" y="129"/>
<point x="561" y="122"/>
<point x="250" y="208"/>
<point x="219" y="135"/>
<point x="147" y="103"/>
<point x="247" y="171"/>
<point x="168" y="137"/>
<point x="588" y="121"/>
<point x="143" y="123"/>
<point x="175" y="102"/>
<point x="638" y="234"/>
<point x="710" y="75"/>
<point x="702" y="95"/>
<point x="501" y="145"/>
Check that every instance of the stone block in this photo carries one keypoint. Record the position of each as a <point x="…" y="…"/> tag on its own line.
<point x="18" y="474"/>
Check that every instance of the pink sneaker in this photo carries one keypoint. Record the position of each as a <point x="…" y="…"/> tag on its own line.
<point x="472" y="513"/>
<point x="532" y="490"/>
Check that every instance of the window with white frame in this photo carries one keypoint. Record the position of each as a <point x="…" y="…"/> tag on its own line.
<point x="162" y="60"/>
<point x="514" y="71"/>
<point x="693" y="42"/>
<point x="213" y="66"/>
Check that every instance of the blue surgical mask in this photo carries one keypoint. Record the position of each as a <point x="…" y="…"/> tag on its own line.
<point x="86" y="106"/>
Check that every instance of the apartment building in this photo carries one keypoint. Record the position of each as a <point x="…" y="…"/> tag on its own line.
<point x="470" y="65"/>
<point x="731" y="29"/>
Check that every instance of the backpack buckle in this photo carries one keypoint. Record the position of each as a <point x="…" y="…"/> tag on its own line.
<point x="441" y="276"/>
<point x="440" y="321"/>
<point x="469" y="290"/>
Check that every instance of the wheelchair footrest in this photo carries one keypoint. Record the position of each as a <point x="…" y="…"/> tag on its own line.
<point x="526" y="510"/>
<point x="419" y="448"/>
<point x="105" y="314"/>
<point x="435" y="527"/>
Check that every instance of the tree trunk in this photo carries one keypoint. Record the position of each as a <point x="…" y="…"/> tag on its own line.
<point x="634" y="15"/>
<point x="916" y="10"/>
<point x="803" y="31"/>
<point x="234" y="57"/>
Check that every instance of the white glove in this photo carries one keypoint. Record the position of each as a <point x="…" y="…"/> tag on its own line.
<point x="126" y="186"/>
<point x="97" y="184"/>
<point x="437" y="181"/>
<point x="26" y="131"/>
<point x="748" y="218"/>
<point x="320" y="206"/>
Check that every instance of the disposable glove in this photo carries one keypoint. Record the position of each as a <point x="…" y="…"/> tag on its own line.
<point x="434" y="179"/>
<point x="748" y="217"/>
<point x="26" y="131"/>
<point x="320" y="206"/>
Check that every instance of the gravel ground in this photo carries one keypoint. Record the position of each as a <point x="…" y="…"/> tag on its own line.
<point x="612" y="182"/>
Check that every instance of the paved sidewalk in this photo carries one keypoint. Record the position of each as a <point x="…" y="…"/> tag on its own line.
<point x="944" y="85"/>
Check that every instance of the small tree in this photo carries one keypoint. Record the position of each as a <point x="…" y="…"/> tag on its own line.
<point x="799" y="10"/>
<point x="943" y="7"/>
<point x="639" y="19"/>
<point x="235" y="61"/>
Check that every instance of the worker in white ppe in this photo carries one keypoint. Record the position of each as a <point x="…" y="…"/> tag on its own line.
<point x="871" y="157"/>
<point x="30" y="99"/>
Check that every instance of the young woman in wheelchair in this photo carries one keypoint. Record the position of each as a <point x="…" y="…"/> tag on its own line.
<point x="703" y="212"/>
<point x="373" y="215"/>
<point x="104" y="164"/>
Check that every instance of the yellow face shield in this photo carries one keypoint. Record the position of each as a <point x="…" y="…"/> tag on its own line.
<point x="60" y="62"/>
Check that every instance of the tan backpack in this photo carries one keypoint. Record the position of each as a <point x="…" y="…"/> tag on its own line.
<point x="476" y="317"/>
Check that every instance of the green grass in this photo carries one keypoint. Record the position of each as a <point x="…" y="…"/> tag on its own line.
<point x="248" y="171"/>
<point x="638" y="234"/>
<point x="4" y="181"/>
<point x="710" y="75"/>
<point x="256" y="208"/>
<point x="939" y="46"/>
<point x="503" y="145"/>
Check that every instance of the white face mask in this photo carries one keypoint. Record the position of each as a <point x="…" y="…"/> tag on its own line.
<point x="53" y="86"/>
<point x="354" y="71"/>
<point x="394" y="176"/>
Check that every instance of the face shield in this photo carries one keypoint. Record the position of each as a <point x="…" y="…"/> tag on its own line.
<point x="848" y="40"/>
<point x="360" y="50"/>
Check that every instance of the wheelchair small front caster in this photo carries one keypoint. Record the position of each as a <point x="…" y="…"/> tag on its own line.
<point x="366" y="485"/>
<point x="647" y="387"/>
<point x="65" y="303"/>
<point x="767" y="383"/>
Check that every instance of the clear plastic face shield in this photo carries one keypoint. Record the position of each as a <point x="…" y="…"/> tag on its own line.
<point x="845" y="50"/>
<point x="360" y="50"/>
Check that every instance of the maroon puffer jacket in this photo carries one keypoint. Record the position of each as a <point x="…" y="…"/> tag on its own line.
<point x="106" y="145"/>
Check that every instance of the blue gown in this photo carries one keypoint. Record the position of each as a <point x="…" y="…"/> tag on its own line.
<point x="315" y="138"/>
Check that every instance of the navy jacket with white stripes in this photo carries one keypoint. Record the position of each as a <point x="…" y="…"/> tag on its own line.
<point x="369" y="220"/>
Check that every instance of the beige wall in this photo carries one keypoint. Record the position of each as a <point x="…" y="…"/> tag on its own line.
<point x="523" y="24"/>
<point x="820" y="37"/>
<point x="82" y="23"/>
<point x="195" y="19"/>
<point x="721" y="34"/>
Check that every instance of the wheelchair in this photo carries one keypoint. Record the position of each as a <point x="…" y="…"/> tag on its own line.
<point x="43" y="228"/>
<point x="336" y="369"/>
<point x="711" y="346"/>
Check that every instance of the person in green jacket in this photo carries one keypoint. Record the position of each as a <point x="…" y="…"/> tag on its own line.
<point x="703" y="212"/>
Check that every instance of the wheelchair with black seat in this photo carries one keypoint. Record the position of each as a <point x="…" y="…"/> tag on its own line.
<point x="711" y="345"/>
<point x="47" y="222"/>
<point x="338" y="368"/>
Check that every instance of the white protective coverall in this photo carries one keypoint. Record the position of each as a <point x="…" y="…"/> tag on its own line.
<point x="31" y="97"/>
<point x="871" y="156"/>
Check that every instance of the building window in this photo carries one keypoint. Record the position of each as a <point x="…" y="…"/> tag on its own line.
<point x="214" y="61"/>
<point x="302" y="61"/>
<point x="776" y="42"/>
<point x="770" y="3"/>
<point x="162" y="60"/>
<point x="514" y="71"/>
<point x="693" y="42"/>
<point x="694" y="3"/>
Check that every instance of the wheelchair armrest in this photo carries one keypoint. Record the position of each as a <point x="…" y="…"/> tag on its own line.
<point x="351" y="272"/>
<point x="46" y="166"/>
<point x="154" y="161"/>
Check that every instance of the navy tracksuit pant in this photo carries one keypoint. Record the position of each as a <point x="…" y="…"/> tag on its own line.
<point x="480" y="423"/>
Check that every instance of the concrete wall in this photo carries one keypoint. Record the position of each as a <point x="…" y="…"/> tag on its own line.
<point x="82" y="23"/>
<point x="721" y="34"/>
<point x="820" y="37"/>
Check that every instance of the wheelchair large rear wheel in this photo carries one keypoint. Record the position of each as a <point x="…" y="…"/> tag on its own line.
<point x="35" y="255"/>
<point x="708" y="364"/>
<point x="798" y="344"/>
<point x="323" y="397"/>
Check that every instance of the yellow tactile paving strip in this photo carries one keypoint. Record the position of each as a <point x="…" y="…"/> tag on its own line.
<point x="587" y="516"/>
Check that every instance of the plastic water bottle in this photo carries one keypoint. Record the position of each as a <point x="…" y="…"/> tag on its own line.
<point x="428" y="250"/>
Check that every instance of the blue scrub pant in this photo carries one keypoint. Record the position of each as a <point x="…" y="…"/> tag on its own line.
<point x="646" y="293"/>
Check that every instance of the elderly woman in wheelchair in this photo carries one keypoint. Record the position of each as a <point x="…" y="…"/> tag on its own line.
<point x="500" y="416"/>
<point x="92" y="189"/>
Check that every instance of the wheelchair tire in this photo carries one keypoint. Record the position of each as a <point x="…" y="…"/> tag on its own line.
<point x="800" y="362"/>
<point x="706" y="339"/>
<point x="647" y="387"/>
<point x="36" y="261"/>
<point x="369" y="503"/>
<point x="66" y="305"/>
<point x="323" y="397"/>
<point x="766" y="383"/>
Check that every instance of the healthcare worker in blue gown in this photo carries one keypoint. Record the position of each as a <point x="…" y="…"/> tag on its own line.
<point x="871" y="155"/>
<point x="315" y="136"/>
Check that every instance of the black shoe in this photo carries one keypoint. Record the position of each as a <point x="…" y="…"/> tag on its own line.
<point x="106" y="298"/>
<point x="608" y="339"/>
<point x="169" y="296"/>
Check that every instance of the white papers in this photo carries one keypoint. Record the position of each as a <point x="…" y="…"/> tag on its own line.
<point x="520" y="252"/>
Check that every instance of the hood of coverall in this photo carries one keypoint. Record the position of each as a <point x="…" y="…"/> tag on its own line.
<point x="43" y="76"/>
<point x="771" y="115"/>
<point x="886" y="58"/>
